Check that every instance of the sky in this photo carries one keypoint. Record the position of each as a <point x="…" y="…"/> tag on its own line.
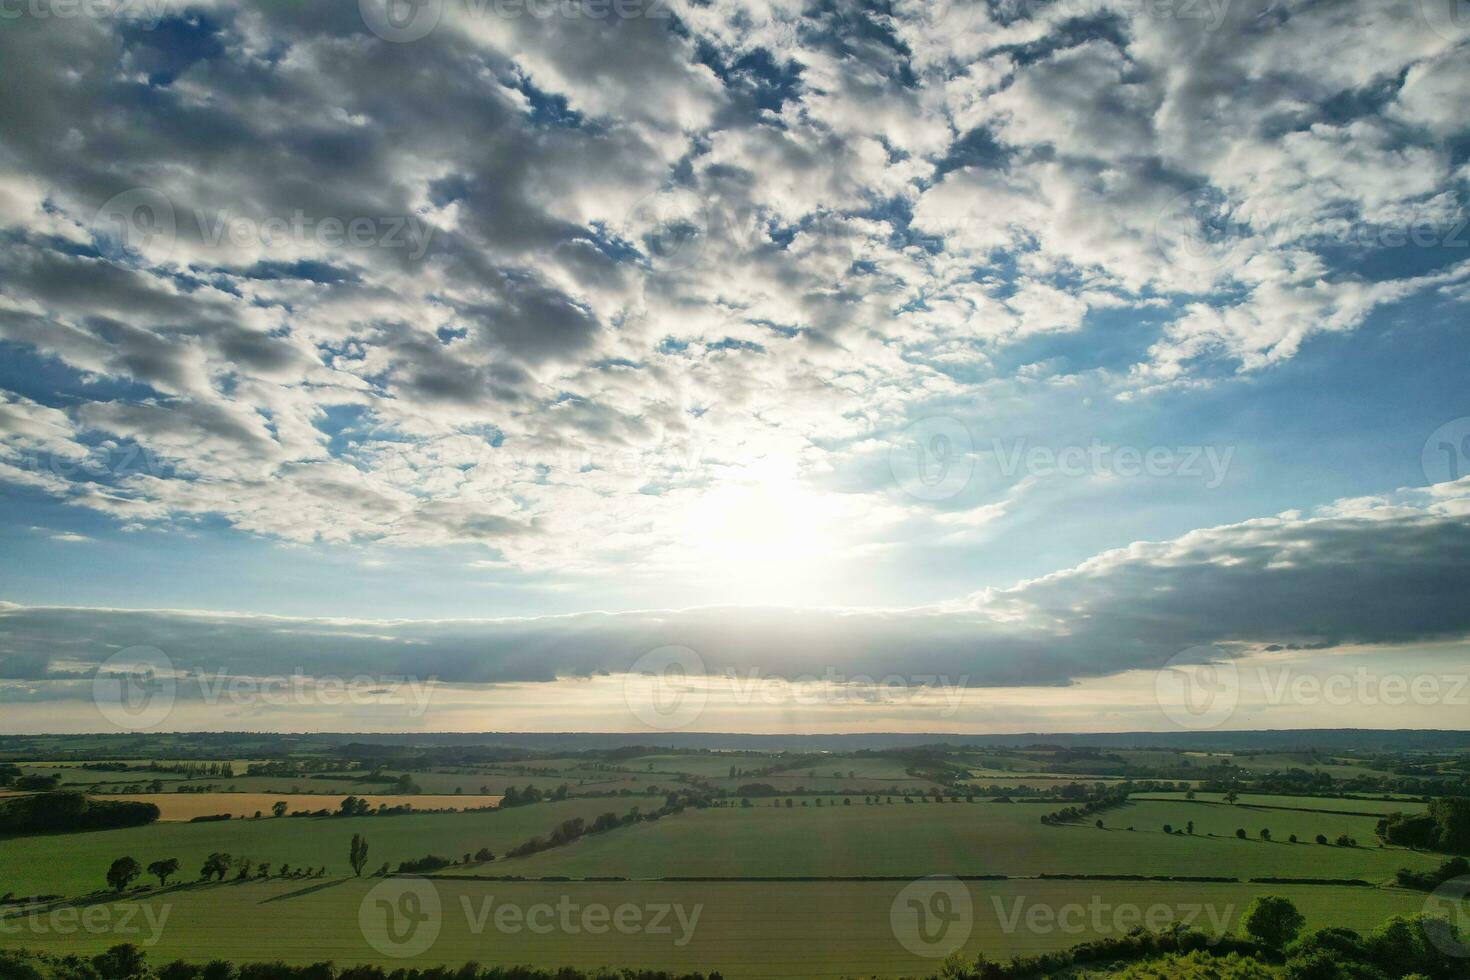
<point x="546" y="365"/>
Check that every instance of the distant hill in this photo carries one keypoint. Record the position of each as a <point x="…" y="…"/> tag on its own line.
<point x="492" y="744"/>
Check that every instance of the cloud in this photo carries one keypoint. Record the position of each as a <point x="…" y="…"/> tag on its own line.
<point x="1370" y="571"/>
<point x="589" y="272"/>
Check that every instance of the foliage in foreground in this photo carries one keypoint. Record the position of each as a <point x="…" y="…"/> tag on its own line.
<point x="1192" y="966"/>
<point x="1403" y="948"/>
<point x="127" y="962"/>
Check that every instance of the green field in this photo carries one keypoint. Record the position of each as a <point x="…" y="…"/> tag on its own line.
<point x="744" y="930"/>
<point x="74" y="864"/>
<point x="760" y="891"/>
<point x="968" y="839"/>
<point x="1298" y="802"/>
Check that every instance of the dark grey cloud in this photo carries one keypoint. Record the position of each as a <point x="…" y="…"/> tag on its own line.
<point x="1382" y="575"/>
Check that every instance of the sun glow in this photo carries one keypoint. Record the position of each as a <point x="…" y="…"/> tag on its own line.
<point x="765" y="538"/>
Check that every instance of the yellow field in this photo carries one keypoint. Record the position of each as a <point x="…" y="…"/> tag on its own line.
<point x="187" y="806"/>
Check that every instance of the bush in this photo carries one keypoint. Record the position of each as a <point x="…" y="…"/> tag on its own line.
<point x="429" y="862"/>
<point x="1273" y="921"/>
<point x="49" y="813"/>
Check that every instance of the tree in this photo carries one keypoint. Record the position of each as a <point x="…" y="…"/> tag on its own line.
<point x="1240" y="832"/>
<point x="1273" y="921"/>
<point x="163" y="870"/>
<point x="242" y="868"/>
<point x="1230" y="797"/>
<point x="122" y="873"/>
<point x="357" y="854"/>
<point x="1189" y="827"/>
<point x="278" y="809"/>
<point x="1265" y="833"/>
<point x="123" y="960"/>
<point x="215" y="866"/>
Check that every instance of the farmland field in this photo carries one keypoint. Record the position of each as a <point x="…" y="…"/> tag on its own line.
<point x="743" y="929"/>
<point x="1298" y="802"/>
<point x="75" y="864"/>
<point x="818" y="881"/>
<point x="967" y="839"/>
<point x="187" y="806"/>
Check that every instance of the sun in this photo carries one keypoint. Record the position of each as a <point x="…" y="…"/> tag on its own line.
<point x="765" y="538"/>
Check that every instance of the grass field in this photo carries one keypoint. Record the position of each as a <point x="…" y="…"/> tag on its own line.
<point x="744" y="930"/>
<point x="961" y="838"/>
<point x="74" y="864"/>
<point x="1299" y="802"/>
<point x="187" y="806"/>
<point x="432" y="783"/>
